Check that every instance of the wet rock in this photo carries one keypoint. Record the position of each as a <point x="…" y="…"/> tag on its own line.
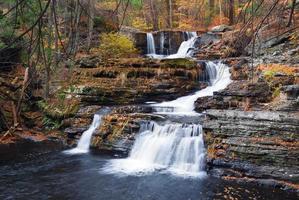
<point x="172" y="40"/>
<point x="73" y="132"/>
<point x="239" y="94"/>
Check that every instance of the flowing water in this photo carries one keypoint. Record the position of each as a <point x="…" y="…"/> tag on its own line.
<point x="76" y="177"/>
<point x="218" y="76"/>
<point x="162" y="42"/>
<point x="151" y="48"/>
<point x="84" y="142"/>
<point x="185" y="49"/>
<point x="171" y="148"/>
<point x="85" y="139"/>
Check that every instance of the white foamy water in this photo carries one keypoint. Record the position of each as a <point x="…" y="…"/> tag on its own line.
<point x="219" y="78"/>
<point x="185" y="50"/>
<point x="172" y="148"/>
<point x="151" y="48"/>
<point x="84" y="142"/>
<point x="186" y="47"/>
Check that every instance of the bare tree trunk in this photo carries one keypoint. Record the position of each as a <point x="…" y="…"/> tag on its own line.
<point x="154" y="15"/>
<point x="77" y="32"/>
<point x="90" y="22"/>
<point x="47" y="59"/>
<point x="292" y="13"/>
<point x="220" y="10"/>
<point x="65" y="17"/>
<point x="231" y="12"/>
<point x="170" y="14"/>
<point x="211" y="8"/>
<point x="56" y="50"/>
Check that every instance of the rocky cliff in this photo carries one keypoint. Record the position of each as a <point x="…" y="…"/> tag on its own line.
<point x="128" y="81"/>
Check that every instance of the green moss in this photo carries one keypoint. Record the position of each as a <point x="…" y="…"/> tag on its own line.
<point x="179" y="62"/>
<point x="59" y="110"/>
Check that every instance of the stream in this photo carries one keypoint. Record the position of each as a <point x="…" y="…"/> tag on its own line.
<point x="60" y="176"/>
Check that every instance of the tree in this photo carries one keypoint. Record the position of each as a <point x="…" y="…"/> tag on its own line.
<point x="231" y="12"/>
<point x="291" y="13"/>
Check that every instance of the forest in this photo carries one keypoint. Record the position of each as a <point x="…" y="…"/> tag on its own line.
<point x="149" y="99"/>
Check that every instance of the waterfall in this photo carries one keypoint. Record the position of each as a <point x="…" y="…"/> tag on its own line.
<point x="151" y="49"/>
<point x="84" y="142"/>
<point x="219" y="78"/>
<point x="186" y="48"/>
<point x="162" y="42"/>
<point x="210" y="74"/>
<point x="175" y="148"/>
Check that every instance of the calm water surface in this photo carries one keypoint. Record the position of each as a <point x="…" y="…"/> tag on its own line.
<point x="58" y="176"/>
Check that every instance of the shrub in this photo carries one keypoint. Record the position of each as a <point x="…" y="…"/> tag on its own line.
<point x="114" y="45"/>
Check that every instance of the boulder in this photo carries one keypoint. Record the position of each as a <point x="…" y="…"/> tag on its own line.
<point x="88" y="62"/>
<point x="221" y="28"/>
<point x="292" y="91"/>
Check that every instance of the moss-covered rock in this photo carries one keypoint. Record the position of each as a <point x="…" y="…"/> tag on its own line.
<point x="180" y="63"/>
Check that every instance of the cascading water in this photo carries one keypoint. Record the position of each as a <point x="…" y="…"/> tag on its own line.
<point x="84" y="142"/>
<point x="174" y="148"/>
<point x="162" y="42"/>
<point x="185" y="49"/>
<point x="151" y="49"/>
<point x="219" y="78"/>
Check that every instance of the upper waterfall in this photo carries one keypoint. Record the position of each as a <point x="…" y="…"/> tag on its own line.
<point x="185" y="49"/>
<point x="151" y="48"/>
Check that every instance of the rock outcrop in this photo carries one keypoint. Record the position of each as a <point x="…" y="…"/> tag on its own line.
<point x="130" y="81"/>
<point x="262" y="145"/>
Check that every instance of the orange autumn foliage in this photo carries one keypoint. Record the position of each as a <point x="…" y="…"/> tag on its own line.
<point x="278" y="68"/>
<point x="218" y="20"/>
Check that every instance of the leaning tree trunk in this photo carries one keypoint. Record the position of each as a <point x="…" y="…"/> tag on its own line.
<point x="292" y="13"/>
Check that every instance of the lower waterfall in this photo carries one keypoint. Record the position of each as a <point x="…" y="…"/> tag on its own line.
<point x="172" y="147"/>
